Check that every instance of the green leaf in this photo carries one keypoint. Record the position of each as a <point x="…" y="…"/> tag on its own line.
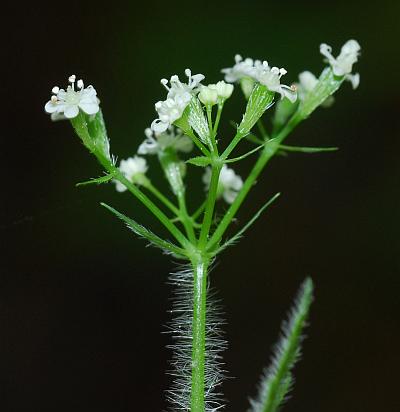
<point x="147" y="234"/>
<point x="259" y="101"/>
<point x="197" y="120"/>
<point x="201" y="161"/>
<point x="98" y="180"/>
<point x="238" y="235"/>
<point x="306" y="149"/>
<point x="277" y="380"/>
<point x="237" y="159"/>
<point x="327" y="84"/>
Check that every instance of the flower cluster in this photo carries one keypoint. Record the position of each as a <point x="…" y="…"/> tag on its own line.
<point x="261" y="72"/>
<point x="67" y="103"/>
<point x="178" y="97"/>
<point x="172" y="137"/>
<point x="229" y="183"/>
<point x="343" y="64"/>
<point x="134" y="169"/>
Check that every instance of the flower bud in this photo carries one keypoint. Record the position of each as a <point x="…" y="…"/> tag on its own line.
<point x="208" y="96"/>
<point x="224" y="90"/>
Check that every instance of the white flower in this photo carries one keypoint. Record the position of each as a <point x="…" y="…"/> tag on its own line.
<point x="134" y="169"/>
<point x="271" y="78"/>
<point x="261" y="72"/>
<point x="178" y="97"/>
<point x="208" y="96"/>
<point x="168" y="111"/>
<point x="66" y="103"/>
<point x="241" y="69"/>
<point x="343" y="64"/>
<point x="229" y="183"/>
<point x="155" y="143"/>
<point x="224" y="90"/>
<point x="307" y="82"/>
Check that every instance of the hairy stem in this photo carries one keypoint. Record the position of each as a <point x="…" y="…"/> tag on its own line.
<point x="200" y="266"/>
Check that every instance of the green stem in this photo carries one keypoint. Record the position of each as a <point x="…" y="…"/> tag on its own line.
<point x="213" y="147"/>
<point x="234" y="142"/>
<point x="185" y="218"/>
<point x="211" y="199"/>
<point x="198" y="143"/>
<point x="268" y="152"/>
<point x="162" y="198"/>
<point x="262" y="130"/>
<point x="179" y="236"/>
<point x="198" y="211"/>
<point x="80" y="125"/>
<point x="218" y="118"/>
<point x="200" y="266"/>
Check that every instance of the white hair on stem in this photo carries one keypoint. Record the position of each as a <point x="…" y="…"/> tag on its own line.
<point x="180" y="329"/>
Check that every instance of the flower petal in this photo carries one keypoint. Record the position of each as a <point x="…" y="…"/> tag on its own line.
<point x="71" y="111"/>
<point x="158" y="126"/>
<point x="89" y="107"/>
<point x="50" y="107"/>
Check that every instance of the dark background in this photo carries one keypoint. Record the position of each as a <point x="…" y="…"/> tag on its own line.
<point x="83" y="302"/>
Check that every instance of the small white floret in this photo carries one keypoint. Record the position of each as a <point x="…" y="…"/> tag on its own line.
<point x="343" y="64"/>
<point x="66" y="104"/>
<point x="261" y="72"/>
<point x="171" y="138"/>
<point x="134" y="169"/>
<point x="208" y="96"/>
<point x="178" y="97"/>
<point x="229" y="183"/>
<point x="224" y="90"/>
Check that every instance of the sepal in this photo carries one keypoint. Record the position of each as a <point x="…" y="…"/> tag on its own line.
<point x="327" y="85"/>
<point x="259" y="101"/>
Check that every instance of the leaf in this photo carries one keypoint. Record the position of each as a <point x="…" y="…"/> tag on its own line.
<point x="277" y="379"/>
<point x="238" y="235"/>
<point x="236" y="159"/>
<point x="98" y="180"/>
<point x="201" y="161"/>
<point x="306" y="149"/>
<point x="147" y="234"/>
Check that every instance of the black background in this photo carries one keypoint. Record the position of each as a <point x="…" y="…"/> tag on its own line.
<point x="83" y="302"/>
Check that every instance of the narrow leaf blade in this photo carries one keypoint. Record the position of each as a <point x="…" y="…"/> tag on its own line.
<point x="277" y="379"/>
<point x="238" y="235"/>
<point x="305" y="149"/>
<point x="145" y="233"/>
<point x="98" y="180"/>
<point x="201" y="161"/>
